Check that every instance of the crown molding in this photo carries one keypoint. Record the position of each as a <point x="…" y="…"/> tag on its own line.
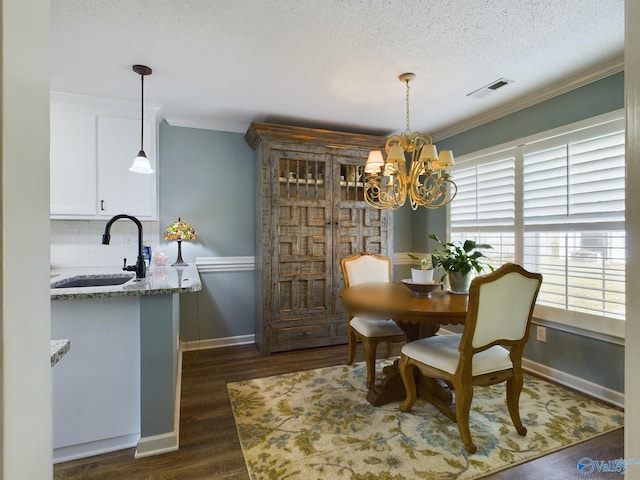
<point x="208" y="125"/>
<point x="602" y="71"/>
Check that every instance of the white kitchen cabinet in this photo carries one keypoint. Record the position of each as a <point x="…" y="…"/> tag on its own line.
<point x="73" y="163"/>
<point x="93" y="143"/>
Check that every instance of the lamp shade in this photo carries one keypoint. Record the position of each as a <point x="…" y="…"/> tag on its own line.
<point x="179" y="231"/>
<point x="446" y="159"/>
<point x="375" y="162"/>
<point x="141" y="164"/>
<point x="429" y="152"/>
<point x="396" y="154"/>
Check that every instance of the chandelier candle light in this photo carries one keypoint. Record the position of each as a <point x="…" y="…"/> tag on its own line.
<point x="428" y="184"/>
<point x="179" y="231"/>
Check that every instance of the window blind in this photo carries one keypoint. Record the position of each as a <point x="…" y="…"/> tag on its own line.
<point x="555" y="204"/>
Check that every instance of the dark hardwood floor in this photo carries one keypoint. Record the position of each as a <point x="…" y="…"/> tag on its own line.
<point x="209" y="447"/>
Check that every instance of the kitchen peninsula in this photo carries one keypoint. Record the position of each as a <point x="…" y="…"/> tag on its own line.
<point x="120" y="384"/>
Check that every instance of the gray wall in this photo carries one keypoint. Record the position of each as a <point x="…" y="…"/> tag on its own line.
<point x="593" y="360"/>
<point x="206" y="178"/>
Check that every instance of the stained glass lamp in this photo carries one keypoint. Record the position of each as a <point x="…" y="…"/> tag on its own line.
<point x="179" y="231"/>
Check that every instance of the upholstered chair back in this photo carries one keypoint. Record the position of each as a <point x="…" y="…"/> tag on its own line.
<point x="504" y="303"/>
<point x="364" y="268"/>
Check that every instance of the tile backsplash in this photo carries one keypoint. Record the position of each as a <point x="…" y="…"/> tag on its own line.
<point x="78" y="243"/>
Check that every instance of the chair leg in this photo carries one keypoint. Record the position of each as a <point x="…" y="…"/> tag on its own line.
<point x="370" y="359"/>
<point x="352" y="341"/>
<point x="389" y="350"/>
<point x="514" y="387"/>
<point x="409" y="380"/>
<point x="464" y="395"/>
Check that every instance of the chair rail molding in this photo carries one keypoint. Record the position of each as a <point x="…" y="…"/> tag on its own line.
<point x="225" y="264"/>
<point x="402" y="258"/>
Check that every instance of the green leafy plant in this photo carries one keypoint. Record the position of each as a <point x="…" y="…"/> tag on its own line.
<point x="459" y="257"/>
<point x="425" y="262"/>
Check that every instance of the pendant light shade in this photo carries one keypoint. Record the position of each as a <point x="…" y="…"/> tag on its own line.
<point x="141" y="162"/>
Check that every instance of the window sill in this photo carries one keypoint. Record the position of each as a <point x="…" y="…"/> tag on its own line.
<point x="592" y="326"/>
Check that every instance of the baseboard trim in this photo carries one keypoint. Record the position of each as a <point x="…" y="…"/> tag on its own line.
<point x="580" y="384"/>
<point x="218" y="342"/>
<point x="99" y="447"/>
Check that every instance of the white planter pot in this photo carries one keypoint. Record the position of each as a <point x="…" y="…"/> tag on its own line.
<point x="459" y="282"/>
<point x="421" y="276"/>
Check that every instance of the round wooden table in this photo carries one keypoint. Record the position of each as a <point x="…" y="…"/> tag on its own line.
<point x="419" y="317"/>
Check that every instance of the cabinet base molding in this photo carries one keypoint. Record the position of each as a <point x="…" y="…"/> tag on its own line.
<point x="157" y="444"/>
<point x="98" y="447"/>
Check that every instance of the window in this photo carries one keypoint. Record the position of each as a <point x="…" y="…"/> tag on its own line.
<point x="555" y="204"/>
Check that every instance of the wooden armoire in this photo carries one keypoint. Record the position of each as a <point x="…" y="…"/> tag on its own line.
<point x="310" y="213"/>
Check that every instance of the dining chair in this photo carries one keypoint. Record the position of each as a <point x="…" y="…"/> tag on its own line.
<point x="365" y="267"/>
<point x="489" y="350"/>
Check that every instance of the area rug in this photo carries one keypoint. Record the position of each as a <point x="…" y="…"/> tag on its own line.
<point x="317" y="425"/>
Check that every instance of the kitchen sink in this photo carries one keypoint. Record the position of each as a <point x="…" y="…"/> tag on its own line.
<point x="92" y="281"/>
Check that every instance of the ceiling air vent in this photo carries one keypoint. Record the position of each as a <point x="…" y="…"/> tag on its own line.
<point x="490" y="88"/>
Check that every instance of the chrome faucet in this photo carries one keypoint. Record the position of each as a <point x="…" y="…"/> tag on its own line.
<point x="140" y="266"/>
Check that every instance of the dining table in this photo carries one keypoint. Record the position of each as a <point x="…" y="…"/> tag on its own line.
<point x="419" y="316"/>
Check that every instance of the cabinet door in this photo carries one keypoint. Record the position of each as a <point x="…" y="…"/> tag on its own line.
<point x="302" y="262"/>
<point x="359" y="227"/>
<point x="73" y="164"/>
<point x="121" y="191"/>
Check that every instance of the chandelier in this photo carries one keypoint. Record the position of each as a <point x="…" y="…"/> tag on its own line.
<point x="429" y="182"/>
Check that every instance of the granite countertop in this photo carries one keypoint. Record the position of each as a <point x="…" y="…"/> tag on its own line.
<point x="160" y="280"/>
<point x="58" y="349"/>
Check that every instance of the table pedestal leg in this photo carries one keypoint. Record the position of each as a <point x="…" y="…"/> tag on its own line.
<point x="391" y="389"/>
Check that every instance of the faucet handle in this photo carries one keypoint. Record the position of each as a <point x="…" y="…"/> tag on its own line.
<point x="130" y="268"/>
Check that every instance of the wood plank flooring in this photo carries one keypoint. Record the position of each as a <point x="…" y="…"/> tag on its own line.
<point x="209" y="447"/>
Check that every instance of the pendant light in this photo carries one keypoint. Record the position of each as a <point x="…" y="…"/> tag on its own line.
<point x="141" y="162"/>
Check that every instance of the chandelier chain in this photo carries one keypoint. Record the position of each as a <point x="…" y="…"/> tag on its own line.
<point x="407" y="104"/>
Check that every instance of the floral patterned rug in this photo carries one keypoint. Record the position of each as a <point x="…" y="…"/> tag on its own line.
<point x="317" y="424"/>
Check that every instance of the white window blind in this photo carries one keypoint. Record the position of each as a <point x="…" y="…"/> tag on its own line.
<point x="555" y="204"/>
<point x="575" y="182"/>
<point x="485" y="194"/>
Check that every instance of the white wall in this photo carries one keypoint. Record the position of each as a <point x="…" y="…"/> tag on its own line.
<point x="25" y="371"/>
<point x="632" y="352"/>
<point x="78" y="243"/>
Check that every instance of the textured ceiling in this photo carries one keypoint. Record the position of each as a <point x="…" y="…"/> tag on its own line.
<point x="221" y="64"/>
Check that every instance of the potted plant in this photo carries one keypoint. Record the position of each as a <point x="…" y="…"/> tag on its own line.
<point x="424" y="274"/>
<point x="460" y="261"/>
